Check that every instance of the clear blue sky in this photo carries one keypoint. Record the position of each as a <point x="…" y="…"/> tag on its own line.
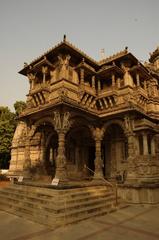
<point x="30" y="27"/>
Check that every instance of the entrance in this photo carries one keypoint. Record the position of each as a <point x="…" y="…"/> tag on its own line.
<point x="51" y="154"/>
<point x="114" y="151"/>
<point x="80" y="153"/>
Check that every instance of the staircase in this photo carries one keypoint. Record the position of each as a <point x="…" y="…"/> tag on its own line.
<point x="54" y="207"/>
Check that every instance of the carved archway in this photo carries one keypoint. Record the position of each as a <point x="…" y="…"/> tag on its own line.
<point x="50" y="153"/>
<point x="114" y="150"/>
<point x="80" y="150"/>
<point x="42" y="148"/>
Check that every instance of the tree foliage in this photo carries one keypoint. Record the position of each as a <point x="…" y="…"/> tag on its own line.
<point x="19" y="106"/>
<point x="8" y="122"/>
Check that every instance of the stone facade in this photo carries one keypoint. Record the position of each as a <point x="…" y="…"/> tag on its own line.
<point x="89" y="120"/>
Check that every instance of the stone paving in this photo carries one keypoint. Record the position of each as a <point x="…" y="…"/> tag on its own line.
<point x="131" y="223"/>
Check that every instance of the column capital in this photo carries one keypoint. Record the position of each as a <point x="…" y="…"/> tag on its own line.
<point x="62" y="121"/>
<point x="98" y="133"/>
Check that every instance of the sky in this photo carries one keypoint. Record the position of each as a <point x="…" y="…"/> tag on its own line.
<point x="29" y="28"/>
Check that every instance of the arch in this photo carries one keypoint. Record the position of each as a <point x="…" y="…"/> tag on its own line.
<point x="79" y="121"/>
<point x="50" y="154"/>
<point x="114" y="150"/>
<point x="44" y="120"/>
<point x="40" y="137"/>
<point x="80" y="151"/>
<point x="38" y="123"/>
<point x="115" y="122"/>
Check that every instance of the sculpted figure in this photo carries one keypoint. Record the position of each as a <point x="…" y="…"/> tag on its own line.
<point x="66" y="121"/>
<point x="64" y="63"/>
<point x="57" y="120"/>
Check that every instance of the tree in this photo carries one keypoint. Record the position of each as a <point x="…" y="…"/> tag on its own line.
<point x="7" y="128"/>
<point x="8" y="122"/>
<point x="19" y="106"/>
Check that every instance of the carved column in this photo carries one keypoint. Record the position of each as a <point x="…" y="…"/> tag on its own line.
<point x="31" y="78"/>
<point x="137" y="145"/>
<point x="93" y="82"/>
<point x="61" y="158"/>
<point x="118" y="82"/>
<point x="145" y="144"/>
<point x="81" y="76"/>
<point x="98" y="136"/>
<point x="113" y="80"/>
<point x="153" y="149"/>
<point x="62" y="125"/>
<point x="131" y="165"/>
<point x="131" y="143"/>
<point x="137" y="79"/>
<point x="99" y="85"/>
<point x="44" y="71"/>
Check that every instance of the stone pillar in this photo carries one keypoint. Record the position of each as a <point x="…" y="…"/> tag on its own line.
<point x="131" y="166"/>
<point x="44" y="71"/>
<point x="137" y="79"/>
<point x="137" y="145"/>
<point x="118" y="82"/>
<point x="31" y="78"/>
<point x="153" y="149"/>
<point x="81" y="76"/>
<point x="131" y="142"/>
<point x="145" y="144"/>
<point x="93" y="82"/>
<point x="61" y="124"/>
<point x="113" y="80"/>
<point x="98" y="136"/>
<point x="61" y="158"/>
<point x="99" y="85"/>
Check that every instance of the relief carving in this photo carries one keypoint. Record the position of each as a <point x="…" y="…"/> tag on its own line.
<point x="63" y="66"/>
<point x="129" y="124"/>
<point x="97" y="133"/>
<point x="62" y="121"/>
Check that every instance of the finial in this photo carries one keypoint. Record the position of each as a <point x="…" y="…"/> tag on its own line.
<point x="83" y="60"/>
<point x="64" y="37"/>
<point x="126" y="48"/>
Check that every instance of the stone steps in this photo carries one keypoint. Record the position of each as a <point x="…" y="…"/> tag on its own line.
<point x="52" y="205"/>
<point x="65" y="199"/>
<point x="57" y="207"/>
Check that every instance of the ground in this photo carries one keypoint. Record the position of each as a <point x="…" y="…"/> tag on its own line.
<point x="130" y="223"/>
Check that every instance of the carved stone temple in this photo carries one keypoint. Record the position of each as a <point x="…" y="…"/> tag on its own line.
<point x="90" y="120"/>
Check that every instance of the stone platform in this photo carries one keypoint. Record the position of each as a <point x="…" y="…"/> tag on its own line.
<point x="55" y="206"/>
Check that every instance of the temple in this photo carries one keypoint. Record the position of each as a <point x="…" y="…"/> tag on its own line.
<point x="90" y="120"/>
